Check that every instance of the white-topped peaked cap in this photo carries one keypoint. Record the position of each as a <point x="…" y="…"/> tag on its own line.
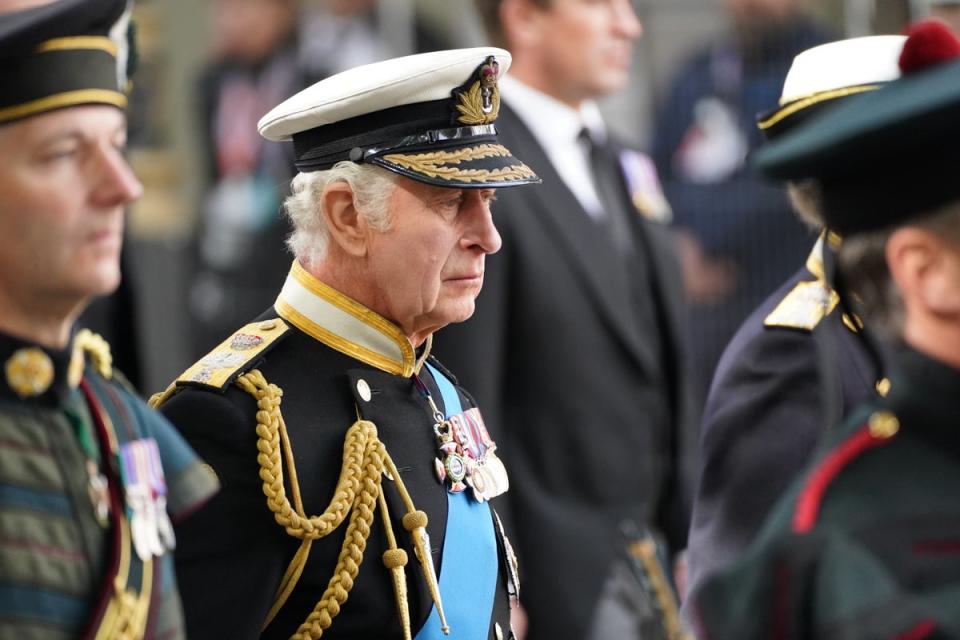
<point x="428" y="116"/>
<point x="825" y="73"/>
<point x="842" y="64"/>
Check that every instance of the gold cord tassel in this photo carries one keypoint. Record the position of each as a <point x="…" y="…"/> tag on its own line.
<point x="395" y="560"/>
<point x="416" y="523"/>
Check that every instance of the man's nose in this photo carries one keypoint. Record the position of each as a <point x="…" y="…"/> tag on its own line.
<point x="116" y="182"/>
<point x="481" y="232"/>
<point x="625" y="19"/>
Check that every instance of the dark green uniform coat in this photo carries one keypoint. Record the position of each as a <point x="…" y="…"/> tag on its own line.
<point x="868" y="544"/>
<point x="57" y="562"/>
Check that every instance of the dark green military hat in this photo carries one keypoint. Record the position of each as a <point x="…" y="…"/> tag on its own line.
<point x="61" y="54"/>
<point x="887" y="155"/>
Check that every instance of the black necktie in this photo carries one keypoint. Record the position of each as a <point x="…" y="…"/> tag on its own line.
<point x="608" y="182"/>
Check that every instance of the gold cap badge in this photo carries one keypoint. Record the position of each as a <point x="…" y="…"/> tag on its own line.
<point x="480" y="104"/>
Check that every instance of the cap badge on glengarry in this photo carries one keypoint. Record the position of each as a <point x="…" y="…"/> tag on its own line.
<point x="478" y="101"/>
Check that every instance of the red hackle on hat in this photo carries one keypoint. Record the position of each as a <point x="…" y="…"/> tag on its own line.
<point x="929" y="43"/>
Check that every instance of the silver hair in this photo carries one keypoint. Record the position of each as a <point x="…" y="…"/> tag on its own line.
<point x="862" y="261"/>
<point x="372" y="187"/>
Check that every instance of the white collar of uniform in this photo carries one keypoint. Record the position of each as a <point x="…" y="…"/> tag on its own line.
<point x="344" y="324"/>
<point x="550" y="120"/>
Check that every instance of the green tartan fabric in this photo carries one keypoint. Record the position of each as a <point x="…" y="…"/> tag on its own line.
<point x="54" y="555"/>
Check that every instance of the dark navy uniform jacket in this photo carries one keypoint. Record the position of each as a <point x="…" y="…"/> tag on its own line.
<point x="764" y="415"/>
<point x="335" y="362"/>
<point x="865" y="545"/>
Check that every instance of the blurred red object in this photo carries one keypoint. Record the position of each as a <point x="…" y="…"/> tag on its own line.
<point x="929" y="43"/>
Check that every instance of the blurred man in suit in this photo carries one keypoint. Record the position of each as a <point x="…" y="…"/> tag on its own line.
<point x="575" y="351"/>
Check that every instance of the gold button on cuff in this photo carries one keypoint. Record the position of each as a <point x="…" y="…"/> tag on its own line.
<point x="364" y="390"/>
<point x="267" y="325"/>
<point x="883" y="387"/>
<point x="883" y="424"/>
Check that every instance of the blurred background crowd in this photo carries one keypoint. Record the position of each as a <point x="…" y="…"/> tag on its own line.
<point x="205" y="249"/>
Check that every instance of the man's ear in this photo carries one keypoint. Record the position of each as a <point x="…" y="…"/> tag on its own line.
<point x="346" y="226"/>
<point x="925" y="269"/>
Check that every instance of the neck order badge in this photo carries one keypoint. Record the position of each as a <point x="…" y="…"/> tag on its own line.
<point x="468" y="573"/>
<point x="466" y="454"/>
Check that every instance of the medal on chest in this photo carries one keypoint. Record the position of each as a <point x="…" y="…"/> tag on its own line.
<point x="98" y="488"/>
<point x="145" y="495"/>
<point x="466" y="454"/>
<point x="99" y="492"/>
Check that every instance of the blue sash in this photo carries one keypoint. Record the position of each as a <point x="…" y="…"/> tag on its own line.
<point x="468" y="571"/>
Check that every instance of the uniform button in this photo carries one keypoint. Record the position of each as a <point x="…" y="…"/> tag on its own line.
<point x="883" y="425"/>
<point x="883" y="387"/>
<point x="267" y="325"/>
<point x="852" y="322"/>
<point x="364" y="390"/>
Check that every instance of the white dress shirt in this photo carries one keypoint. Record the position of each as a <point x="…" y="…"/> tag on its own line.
<point x="557" y="127"/>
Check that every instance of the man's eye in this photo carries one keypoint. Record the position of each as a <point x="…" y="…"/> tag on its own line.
<point x="59" y="154"/>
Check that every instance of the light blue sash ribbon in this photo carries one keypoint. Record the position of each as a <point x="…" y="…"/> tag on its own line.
<point x="468" y="573"/>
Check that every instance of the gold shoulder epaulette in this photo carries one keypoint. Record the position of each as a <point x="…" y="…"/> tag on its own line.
<point x="804" y="307"/>
<point x="231" y="357"/>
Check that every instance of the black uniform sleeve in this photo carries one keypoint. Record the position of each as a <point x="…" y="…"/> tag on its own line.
<point x="234" y="539"/>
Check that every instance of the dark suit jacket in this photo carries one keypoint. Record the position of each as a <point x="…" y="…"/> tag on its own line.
<point x="558" y="366"/>
<point x="763" y="419"/>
